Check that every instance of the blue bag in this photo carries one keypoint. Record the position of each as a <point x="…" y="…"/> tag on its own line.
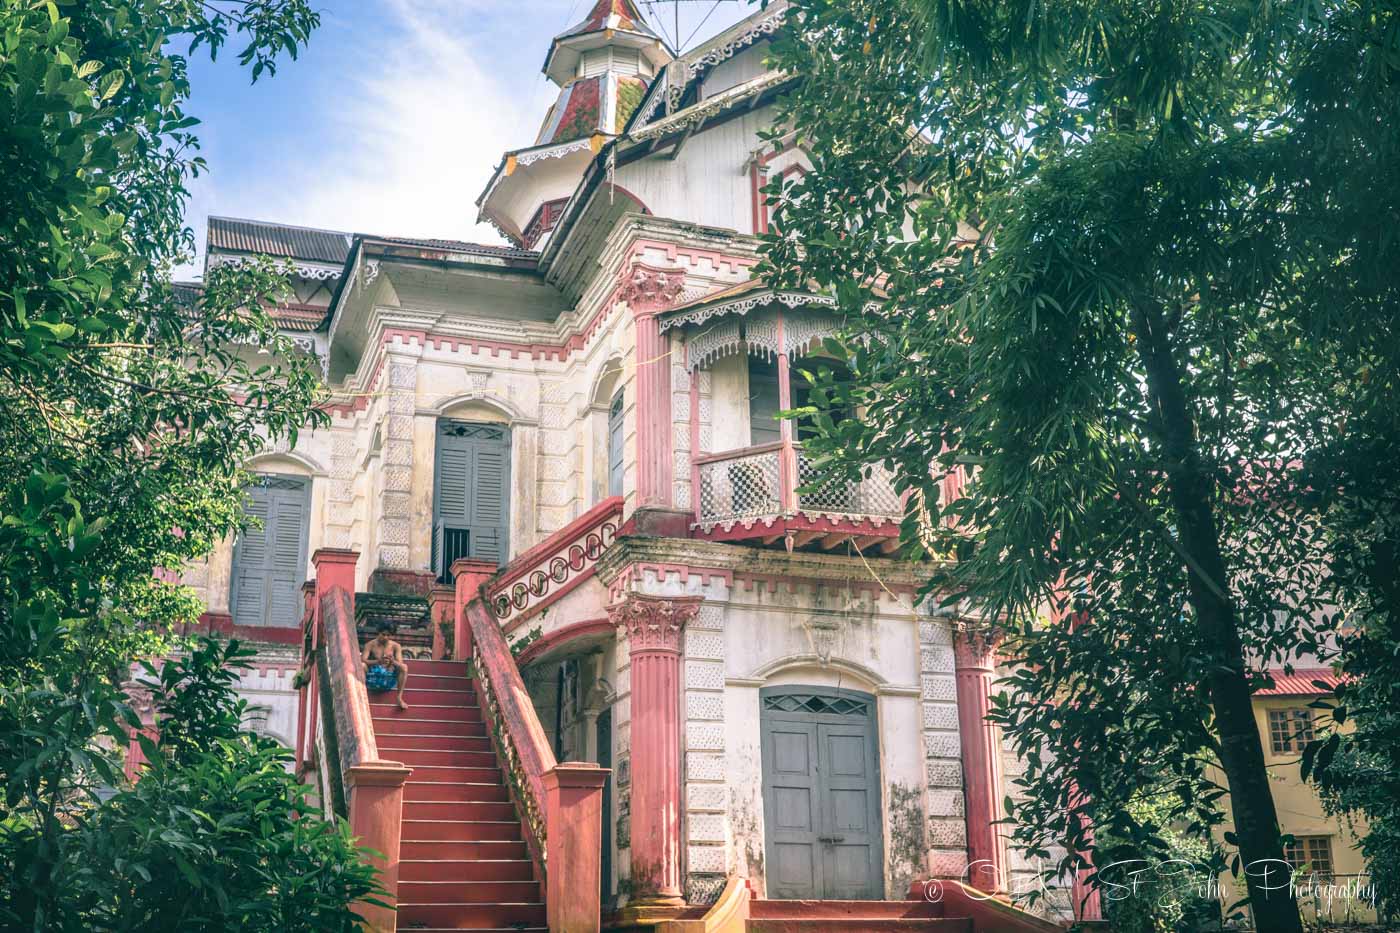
<point x="379" y="678"/>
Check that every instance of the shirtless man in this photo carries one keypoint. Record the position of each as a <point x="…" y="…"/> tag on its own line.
<point x="382" y="651"/>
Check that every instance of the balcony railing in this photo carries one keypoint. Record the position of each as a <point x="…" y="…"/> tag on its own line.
<point x="766" y="483"/>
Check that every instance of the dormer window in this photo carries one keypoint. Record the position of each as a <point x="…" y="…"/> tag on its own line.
<point x="545" y="220"/>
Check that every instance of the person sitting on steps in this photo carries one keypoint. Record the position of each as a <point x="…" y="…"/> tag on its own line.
<point x="383" y="657"/>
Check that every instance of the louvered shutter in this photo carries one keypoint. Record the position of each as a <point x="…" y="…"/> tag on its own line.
<point x="269" y="561"/>
<point x="488" y="501"/>
<point x="615" y="438"/>
<point x="248" y="599"/>
<point x="471" y="501"/>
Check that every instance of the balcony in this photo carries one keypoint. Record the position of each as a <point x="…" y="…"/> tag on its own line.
<point x="755" y="494"/>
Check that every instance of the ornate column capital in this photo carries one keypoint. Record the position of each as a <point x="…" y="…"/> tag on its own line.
<point x="975" y="646"/>
<point x="648" y="289"/>
<point x="654" y="623"/>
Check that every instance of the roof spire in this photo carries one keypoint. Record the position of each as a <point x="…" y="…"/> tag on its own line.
<point x="612" y="24"/>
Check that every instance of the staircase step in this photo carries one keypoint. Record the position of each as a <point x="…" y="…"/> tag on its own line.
<point x="483" y="783"/>
<point x="424" y="695"/>
<point x="439" y="762"/>
<point x="422" y="681"/>
<point x="404" y="725"/>
<point x="764" y="909"/>
<point x="437" y="851"/>
<point x="399" y="741"/>
<point x="521" y="869"/>
<point x="468" y="892"/>
<point x="470" y="811"/>
<point x="390" y="712"/>
<point x="440" y="668"/>
<point x="432" y="828"/>
<point x="471" y="916"/>
<point x="420" y="791"/>
<point x="862" y="925"/>
<point x="503" y="812"/>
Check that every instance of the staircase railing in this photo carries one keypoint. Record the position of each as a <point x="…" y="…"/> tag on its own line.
<point x="367" y="791"/>
<point x="560" y="804"/>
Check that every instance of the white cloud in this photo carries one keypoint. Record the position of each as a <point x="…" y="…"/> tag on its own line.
<point x="413" y="136"/>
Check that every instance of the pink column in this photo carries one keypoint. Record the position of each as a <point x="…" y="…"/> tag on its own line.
<point x="468" y="575"/>
<point x="648" y="292"/>
<point x="975" y="665"/>
<point x="653" y="625"/>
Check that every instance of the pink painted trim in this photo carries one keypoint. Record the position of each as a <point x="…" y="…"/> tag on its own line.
<point x="546" y="548"/>
<point x="530" y="612"/>
<point x="618" y="588"/>
<point x="694" y="437"/>
<point x="765" y="527"/>
<point x="515" y="710"/>
<point x="772" y="582"/>
<point x="562" y="636"/>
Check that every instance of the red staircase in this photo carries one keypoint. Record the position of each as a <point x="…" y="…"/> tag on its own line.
<point x="463" y="862"/>
<point x="852" y="916"/>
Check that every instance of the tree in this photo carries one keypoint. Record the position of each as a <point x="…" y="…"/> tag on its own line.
<point x="125" y="413"/>
<point x="217" y="834"/>
<point x="1132" y="265"/>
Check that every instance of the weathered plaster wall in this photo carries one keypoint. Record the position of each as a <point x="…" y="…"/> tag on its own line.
<point x="758" y="633"/>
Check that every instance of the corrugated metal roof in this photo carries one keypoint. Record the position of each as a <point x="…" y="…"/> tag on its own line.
<point x="462" y="246"/>
<point x="1300" y="683"/>
<point x="257" y="236"/>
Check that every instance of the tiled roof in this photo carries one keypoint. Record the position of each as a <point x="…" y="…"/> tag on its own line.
<point x="610" y="14"/>
<point x="257" y="236"/>
<point x="186" y="293"/>
<point x="596" y="104"/>
<point x="462" y="246"/>
<point x="1300" y="683"/>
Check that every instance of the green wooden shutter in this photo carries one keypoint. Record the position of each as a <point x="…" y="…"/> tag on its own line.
<point x="489" y="501"/>
<point x="471" y="493"/>
<point x="269" y="561"/>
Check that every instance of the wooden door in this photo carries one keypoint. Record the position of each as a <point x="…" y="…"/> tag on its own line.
<point x="821" y="794"/>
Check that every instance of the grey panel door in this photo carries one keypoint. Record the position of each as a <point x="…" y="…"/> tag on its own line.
<point x="821" y="794"/>
<point x="269" y="561"/>
<point x="471" y="493"/>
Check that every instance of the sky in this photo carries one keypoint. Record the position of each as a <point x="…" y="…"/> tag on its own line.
<point x="394" y="116"/>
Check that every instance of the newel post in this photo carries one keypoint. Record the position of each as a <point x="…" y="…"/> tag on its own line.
<point x="468" y="575"/>
<point x="375" y="789"/>
<point x="573" y="806"/>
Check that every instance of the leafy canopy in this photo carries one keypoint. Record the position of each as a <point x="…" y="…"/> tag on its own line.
<point x="126" y="409"/>
<point x="1133" y="267"/>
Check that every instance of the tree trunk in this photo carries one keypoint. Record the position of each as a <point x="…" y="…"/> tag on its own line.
<point x="1267" y="875"/>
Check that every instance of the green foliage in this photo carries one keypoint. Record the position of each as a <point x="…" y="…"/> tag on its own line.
<point x="125" y="410"/>
<point x="1134" y="267"/>
<point x="1164" y="892"/>
<point x="217" y="835"/>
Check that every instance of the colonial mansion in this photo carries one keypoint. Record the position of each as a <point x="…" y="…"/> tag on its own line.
<point x="656" y="679"/>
